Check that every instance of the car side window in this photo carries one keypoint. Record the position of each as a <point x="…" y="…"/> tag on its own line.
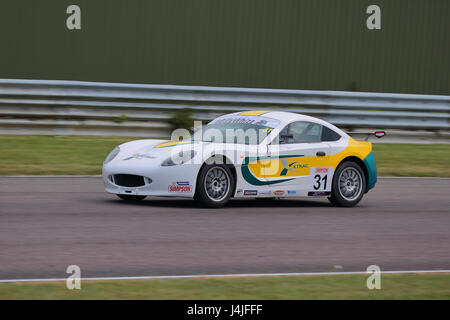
<point x="301" y="132"/>
<point x="330" y="135"/>
<point x="283" y="137"/>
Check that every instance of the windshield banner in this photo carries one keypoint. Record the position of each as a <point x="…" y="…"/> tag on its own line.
<point x="254" y="120"/>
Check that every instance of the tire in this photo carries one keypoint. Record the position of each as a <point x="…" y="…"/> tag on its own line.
<point x="215" y="185"/>
<point x="131" y="198"/>
<point x="349" y="185"/>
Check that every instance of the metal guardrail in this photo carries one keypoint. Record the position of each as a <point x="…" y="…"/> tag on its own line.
<point x="97" y="108"/>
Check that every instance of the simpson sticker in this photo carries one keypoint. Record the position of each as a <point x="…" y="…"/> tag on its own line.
<point x="321" y="178"/>
<point x="250" y="192"/>
<point x="180" y="186"/>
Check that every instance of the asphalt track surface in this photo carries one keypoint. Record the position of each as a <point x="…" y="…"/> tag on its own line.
<point x="49" y="223"/>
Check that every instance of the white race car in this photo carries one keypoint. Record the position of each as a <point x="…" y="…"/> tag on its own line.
<point x="252" y="154"/>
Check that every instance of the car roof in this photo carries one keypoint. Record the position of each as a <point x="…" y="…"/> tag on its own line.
<point x="287" y="117"/>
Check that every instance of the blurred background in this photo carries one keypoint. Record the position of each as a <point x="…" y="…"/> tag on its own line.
<point x="142" y="68"/>
<point x="285" y="44"/>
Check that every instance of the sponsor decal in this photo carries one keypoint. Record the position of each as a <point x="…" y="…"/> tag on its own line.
<point x="250" y="192"/>
<point x="279" y="192"/>
<point x="263" y="122"/>
<point x="291" y="166"/>
<point x="250" y="178"/>
<point x="265" y="193"/>
<point x="319" y="193"/>
<point x="292" y="192"/>
<point x="180" y="186"/>
<point x="140" y="156"/>
<point x="239" y="192"/>
<point x="321" y="179"/>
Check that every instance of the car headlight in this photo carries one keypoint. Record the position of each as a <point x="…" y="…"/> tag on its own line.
<point x="179" y="158"/>
<point x="112" y="155"/>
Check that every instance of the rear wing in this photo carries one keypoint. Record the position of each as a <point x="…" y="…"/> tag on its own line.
<point x="378" y="134"/>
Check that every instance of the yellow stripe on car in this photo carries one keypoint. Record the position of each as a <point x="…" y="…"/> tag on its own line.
<point x="171" y="144"/>
<point x="253" y="113"/>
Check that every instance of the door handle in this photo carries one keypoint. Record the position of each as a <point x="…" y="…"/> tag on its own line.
<point x="320" y="154"/>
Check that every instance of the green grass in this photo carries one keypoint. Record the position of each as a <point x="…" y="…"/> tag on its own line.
<point x="54" y="155"/>
<point x="419" y="160"/>
<point x="71" y="155"/>
<point x="393" y="286"/>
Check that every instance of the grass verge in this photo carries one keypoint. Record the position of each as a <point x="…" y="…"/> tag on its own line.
<point x="72" y="155"/>
<point x="419" y="160"/>
<point x="393" y="286"/>
<point x="55" y="155"/>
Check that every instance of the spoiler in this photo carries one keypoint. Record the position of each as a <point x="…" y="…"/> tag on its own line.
<point x="378" y="134"/>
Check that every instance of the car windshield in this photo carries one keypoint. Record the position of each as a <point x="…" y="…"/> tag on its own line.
<point x="237" y="129"/>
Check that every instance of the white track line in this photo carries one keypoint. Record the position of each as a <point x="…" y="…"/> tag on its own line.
<point x="226" y="275"/>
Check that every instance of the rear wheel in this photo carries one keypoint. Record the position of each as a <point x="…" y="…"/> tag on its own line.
<point x="131" y="198"/>
<point x="348" y="185"/>
<point x="214" y="185"/>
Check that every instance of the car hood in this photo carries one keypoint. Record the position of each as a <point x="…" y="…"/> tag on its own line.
<point x="162" y="149"/>
<point x="152" y="149"/>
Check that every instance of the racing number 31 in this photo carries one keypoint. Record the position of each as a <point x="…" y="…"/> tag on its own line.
<point x="321" y="178"/>
<point x="319" y="181"/>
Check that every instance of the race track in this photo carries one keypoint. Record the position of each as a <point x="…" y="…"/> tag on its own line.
<point x="48" y="223"/>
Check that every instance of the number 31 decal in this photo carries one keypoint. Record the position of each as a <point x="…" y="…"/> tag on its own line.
<point x="321" y="178"/>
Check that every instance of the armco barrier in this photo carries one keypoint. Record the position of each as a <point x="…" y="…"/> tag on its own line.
<point x="120" y="109"/>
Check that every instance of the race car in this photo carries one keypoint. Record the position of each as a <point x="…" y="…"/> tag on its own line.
<point x="250" y="154"/>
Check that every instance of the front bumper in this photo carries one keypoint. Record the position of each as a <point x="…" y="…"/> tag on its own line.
<point x="178" y="181"/>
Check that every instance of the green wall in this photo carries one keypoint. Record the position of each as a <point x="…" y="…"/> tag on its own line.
<point x="297" y="44"/>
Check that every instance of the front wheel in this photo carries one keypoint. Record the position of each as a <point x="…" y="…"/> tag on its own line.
<point x="131" y="198"/>
<point x="348" y="185"/>
<point x="214" y="185"/>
